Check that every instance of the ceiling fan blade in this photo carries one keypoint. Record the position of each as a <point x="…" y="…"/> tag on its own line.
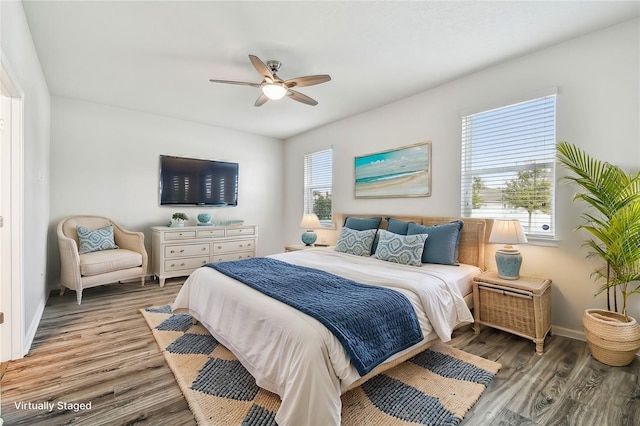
<point x="262" y="99"/>
<point x="309" y="80"/>
<point x="240" y="83"/>
<point x="261" y="67"/>
<point x="297" y="96"/>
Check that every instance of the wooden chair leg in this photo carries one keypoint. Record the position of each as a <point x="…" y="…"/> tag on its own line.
<point x="79" y="296"/>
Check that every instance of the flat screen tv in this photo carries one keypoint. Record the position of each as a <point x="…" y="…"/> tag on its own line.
<point x="191" y="181"/>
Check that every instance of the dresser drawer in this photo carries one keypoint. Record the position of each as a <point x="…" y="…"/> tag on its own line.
<point x="234" y="232"/>
<point x="231" y="246"/>
<point x="232" y="256"/>
<point x="211" y="233"/>
<point x="186" y="250"/>
<point x="180" y="235"/>
<point x="185" y="264"/>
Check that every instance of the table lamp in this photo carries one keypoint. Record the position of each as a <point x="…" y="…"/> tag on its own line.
<point x="310" y="222"/>
<point x="508" y="259"/>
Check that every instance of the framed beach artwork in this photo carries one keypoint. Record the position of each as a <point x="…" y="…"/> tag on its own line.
<point x="399" y="172"/>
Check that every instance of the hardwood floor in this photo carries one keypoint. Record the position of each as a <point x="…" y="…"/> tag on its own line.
<point x="103" y="353"/>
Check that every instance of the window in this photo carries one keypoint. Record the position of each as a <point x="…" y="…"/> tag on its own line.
<point x="318" y="171"/>
<point x="508" y="158"/>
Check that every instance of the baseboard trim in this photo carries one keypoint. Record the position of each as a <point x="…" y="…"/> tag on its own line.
<point x="567" y="332"/>
<point x="33" y="327"/>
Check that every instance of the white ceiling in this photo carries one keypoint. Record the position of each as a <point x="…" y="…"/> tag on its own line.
<point x="158" y="57"/>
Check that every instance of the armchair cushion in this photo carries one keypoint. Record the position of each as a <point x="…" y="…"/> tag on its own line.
<point x="102" y="262"/>
<point x="95" y="240"/>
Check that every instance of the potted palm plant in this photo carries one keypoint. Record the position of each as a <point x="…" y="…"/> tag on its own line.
<point x="613" y="220"/>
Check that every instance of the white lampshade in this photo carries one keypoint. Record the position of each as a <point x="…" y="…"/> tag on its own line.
<point x="274" y="91"/>
<point x="310" y="221"/>
<point x="507" y="231"/>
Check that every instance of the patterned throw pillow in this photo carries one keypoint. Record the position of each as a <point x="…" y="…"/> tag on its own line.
<point x="355" y="242"/>
<point x="403" y="249"/>
<point x="95" y="239"/>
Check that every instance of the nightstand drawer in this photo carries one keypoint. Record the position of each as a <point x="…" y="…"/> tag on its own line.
<point x="509" y="309"/>
<point x="185" y="264"/>
<point x="186" y="250"/>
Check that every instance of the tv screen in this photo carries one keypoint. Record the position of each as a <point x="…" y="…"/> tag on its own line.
<point x="190" y="181"/>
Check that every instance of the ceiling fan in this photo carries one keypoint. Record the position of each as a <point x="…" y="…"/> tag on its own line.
<point x="273" y="87"/>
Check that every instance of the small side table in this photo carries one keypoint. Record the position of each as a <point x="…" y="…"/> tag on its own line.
<point x="521" y="307"/>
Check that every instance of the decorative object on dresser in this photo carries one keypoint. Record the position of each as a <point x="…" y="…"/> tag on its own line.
<point x="95" y="251"/>
<point x="204" y="219"/>
<point x="310" y="222"/>
<point x="508" y="259"/>
<point x="179" y="218"/>
<point x="613" y="220"/>
<point x="177" y="253"/>
<point x="521" y="307"/>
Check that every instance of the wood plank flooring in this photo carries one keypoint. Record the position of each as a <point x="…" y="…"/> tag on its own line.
<point x="102" y="352"/>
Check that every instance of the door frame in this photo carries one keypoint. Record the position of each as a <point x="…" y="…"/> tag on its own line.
<point x="11" y="237"/>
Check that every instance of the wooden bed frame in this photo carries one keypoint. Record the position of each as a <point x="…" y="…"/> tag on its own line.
<point x="473" y="237"/>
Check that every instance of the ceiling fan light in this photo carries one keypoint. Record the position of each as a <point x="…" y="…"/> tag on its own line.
<point x="274" y="91"/>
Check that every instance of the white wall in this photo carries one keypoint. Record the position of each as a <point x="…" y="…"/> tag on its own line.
<point x="597" y="77"/>
<point x="104" y="161"/>
<point x="19" y="53"/>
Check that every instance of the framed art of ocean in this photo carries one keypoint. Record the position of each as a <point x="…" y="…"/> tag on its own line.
<point x="399" y="172"/>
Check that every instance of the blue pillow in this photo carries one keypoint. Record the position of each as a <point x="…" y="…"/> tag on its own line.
<point x="442" y="244"/>
<point x="355" y="242"/>
<point x="403" y="249"/>
<point x="361" y="224"/>
<point x="397" y="226"/>
<point x="95" y="240"/>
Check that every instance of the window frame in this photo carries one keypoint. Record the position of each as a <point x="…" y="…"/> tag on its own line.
<point x="310" y="187"/>
<point x="526" y="159"/>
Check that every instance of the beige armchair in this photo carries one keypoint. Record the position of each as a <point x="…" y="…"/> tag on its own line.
<point x="80" y="271"/>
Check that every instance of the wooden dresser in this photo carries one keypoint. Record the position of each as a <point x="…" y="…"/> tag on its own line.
<point x="178" y="251"/>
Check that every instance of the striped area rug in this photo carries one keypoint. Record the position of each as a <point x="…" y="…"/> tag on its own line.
<point x="436" y="387"/>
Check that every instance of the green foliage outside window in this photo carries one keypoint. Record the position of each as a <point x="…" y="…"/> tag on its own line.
<point x="531" y="190"/>
<point x="322" y="205"/>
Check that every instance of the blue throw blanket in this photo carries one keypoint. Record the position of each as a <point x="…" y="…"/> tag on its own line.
<point x="372" y="323"/>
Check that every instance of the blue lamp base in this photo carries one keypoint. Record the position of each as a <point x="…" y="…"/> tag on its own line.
<point x="309" y="237"/>
<point x="509" y="262"/>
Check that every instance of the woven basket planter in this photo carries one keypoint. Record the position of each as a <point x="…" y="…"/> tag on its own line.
<point x="611" y="340"/>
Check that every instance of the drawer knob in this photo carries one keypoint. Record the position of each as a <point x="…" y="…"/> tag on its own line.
<point x="173" y="251"/>
<point x="173" y="265"/>
<point x="182" y="251"/>
<point x="182" y="264"/>
<point x="204" y="249"/>
<point x="220" y="247"/>
<point x="239" y="245"/>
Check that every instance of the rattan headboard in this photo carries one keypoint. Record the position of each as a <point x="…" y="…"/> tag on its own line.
<point x="472" y="237"/>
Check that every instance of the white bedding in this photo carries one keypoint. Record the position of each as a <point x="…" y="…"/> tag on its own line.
<point x="295" y="356"/>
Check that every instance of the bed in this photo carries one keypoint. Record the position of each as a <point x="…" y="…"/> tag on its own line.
<point x="294" y="355"/>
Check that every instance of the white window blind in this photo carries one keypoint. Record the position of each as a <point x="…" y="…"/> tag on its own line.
<point x="318" y="172"/>
<point x="508" y="158"/>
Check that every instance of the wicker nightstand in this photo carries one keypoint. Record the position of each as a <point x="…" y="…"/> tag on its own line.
<point x="521" y="307"/>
